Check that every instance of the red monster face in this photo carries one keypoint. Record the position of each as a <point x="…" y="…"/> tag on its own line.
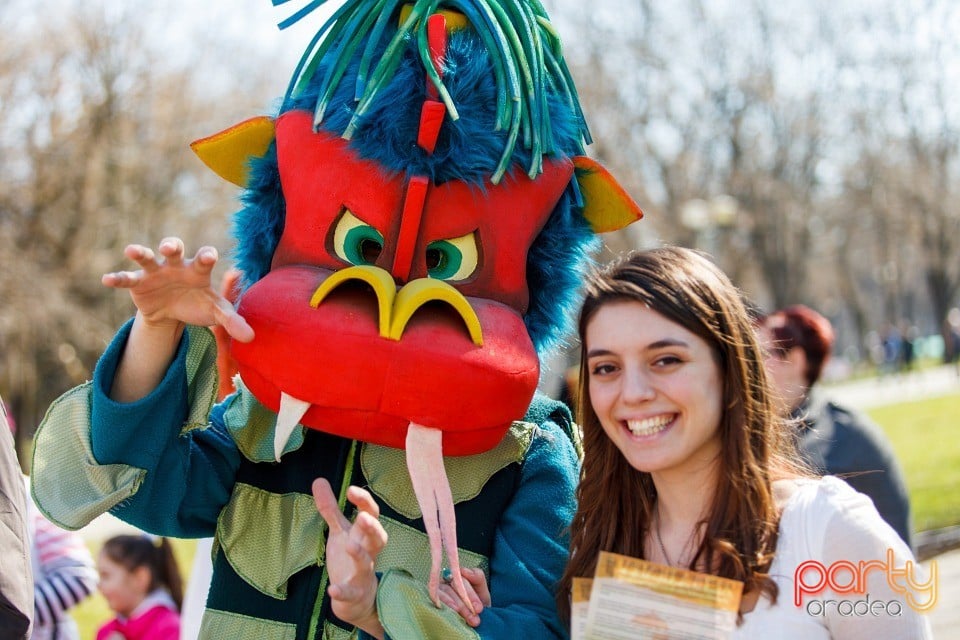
<point x="394" y="300"/>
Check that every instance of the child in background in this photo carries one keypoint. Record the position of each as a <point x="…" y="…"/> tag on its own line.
<point x="141" y="582"/>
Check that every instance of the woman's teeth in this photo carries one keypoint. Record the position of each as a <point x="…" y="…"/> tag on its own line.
<point x="649" y="426"/>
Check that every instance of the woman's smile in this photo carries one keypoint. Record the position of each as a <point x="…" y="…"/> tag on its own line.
<point x="646" y="427"/>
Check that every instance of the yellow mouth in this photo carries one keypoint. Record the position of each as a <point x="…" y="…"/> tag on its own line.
<point x="379" y="280"/>
<point x="397" y="307"/>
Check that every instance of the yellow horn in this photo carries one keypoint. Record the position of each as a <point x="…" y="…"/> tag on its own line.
<point x="455" y="20"/>
<point x="228" y="153"/>
<point x="606" y="205"/>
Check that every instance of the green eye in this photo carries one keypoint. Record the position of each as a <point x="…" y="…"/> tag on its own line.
<point x="355" y="241"/>
<point x="454" y="259"/>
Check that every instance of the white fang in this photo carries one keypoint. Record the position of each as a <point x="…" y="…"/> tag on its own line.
<point x="291" y="410"/>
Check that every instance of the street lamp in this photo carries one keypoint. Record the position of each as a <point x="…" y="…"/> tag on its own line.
<point x="705" y="217"/>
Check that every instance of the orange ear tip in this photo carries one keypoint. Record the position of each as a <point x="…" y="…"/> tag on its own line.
<point x="254" y="123"/>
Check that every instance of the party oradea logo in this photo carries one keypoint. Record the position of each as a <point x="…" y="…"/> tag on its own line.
<point x="848" y="582"/>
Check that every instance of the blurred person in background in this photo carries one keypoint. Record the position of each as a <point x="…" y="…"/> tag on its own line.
<point x="141" y="583"/>
<point x="64" y="576"/>
<point x="63" y="571"/>
<point x="835" y="440"/>
<point x="951" y="334"/>
<point x="16" y="577"/>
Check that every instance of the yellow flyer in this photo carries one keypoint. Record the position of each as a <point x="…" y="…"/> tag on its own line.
<point x="635" y="599"/>
<point x="580" y="601"/>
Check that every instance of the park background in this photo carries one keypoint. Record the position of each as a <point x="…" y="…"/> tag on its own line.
<point x="811" y="147"/>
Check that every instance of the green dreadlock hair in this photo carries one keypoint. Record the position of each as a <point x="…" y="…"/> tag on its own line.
<point x="524" y="48"/>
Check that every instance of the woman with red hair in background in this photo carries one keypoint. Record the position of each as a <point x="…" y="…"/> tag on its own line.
<point x="835" y="440"/>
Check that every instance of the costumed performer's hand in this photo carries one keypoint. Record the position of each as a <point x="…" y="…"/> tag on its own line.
<point x="171" y="291"/>
<point x="352" y="550"/>
<point x="475" y="582"/>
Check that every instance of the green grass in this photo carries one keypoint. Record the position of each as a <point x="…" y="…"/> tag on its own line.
<point x="925" y="438"/>
<point x="93" y="612"/>
<point x="865" y="370"/>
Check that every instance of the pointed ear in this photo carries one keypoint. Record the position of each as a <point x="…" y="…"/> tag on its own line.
<point x="606" y="205"/>
<point x="228" y="152"/>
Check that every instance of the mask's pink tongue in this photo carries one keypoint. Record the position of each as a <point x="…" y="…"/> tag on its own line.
<point x="429" y="478"/>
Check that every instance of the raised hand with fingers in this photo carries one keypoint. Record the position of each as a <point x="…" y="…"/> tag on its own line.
<point x="170" y="290"/>
<point x="351" y="552"/>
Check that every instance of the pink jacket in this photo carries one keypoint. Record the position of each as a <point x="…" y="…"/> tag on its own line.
<point x="156" y="623"/>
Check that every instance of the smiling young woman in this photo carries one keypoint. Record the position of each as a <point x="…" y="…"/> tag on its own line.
<point x="687" y="462"/>
<point x="655" y="388"/>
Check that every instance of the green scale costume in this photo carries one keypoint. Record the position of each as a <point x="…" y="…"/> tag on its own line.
<point x="174" y="472"/>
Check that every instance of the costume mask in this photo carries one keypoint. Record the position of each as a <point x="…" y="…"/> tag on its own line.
<point x="425" y="164"/>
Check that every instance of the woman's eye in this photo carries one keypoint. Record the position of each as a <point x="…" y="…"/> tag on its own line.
<point x="601" y="369"/>
<point x="355" y="241"/>
<point x="666" y="361"/>
<point x="453" y="259"/>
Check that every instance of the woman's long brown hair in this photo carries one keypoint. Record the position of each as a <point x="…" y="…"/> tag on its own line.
<point x="616" y="503"/>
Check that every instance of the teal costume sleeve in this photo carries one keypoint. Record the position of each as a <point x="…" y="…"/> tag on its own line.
<point x="529" y="555"/>
<point x="167" y="430"/>
<point x="532" y="542"/>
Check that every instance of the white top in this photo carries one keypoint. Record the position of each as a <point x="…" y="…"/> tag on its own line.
<point x="827" y="521"/>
